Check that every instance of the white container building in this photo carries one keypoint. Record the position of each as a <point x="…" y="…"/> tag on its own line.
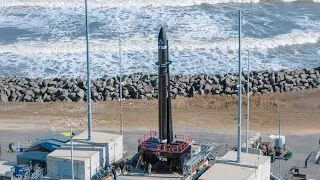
<point x="88" y="156"/>
<point x="252" y="167"/>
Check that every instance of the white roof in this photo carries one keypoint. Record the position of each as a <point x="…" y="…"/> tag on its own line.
<point x="4" y="168"/>
<point x="82" y="148"/>
<point x="97" y="137"/>
<point x="227" y="168"/>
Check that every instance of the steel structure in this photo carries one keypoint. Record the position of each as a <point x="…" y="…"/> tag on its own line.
<point x="157" y="147"/>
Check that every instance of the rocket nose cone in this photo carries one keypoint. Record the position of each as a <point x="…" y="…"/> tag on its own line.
<point x="162" y="38"/>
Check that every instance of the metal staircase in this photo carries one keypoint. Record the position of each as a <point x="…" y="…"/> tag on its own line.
<point x="274" y="176"/>
<point x="193" y="160"/>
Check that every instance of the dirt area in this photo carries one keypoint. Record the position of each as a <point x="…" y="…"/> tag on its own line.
<point x="298" y="112"/>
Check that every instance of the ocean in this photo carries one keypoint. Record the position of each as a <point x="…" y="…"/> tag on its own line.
<point x="46" y="38"/>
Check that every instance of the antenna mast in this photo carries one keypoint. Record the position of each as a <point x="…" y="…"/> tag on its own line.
<point x="121" y="116"/>
<point x="247" y="119"/>
<point x="88" y="74"/>
<point x="239" y="95"/>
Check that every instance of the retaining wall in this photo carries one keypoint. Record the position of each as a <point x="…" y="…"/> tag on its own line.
<point x="144" y="86"/>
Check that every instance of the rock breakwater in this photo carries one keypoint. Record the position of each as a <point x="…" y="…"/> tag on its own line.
<point x="144" y="86"/>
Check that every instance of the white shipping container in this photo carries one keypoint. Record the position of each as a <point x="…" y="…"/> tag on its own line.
<point x="104" y="149"/>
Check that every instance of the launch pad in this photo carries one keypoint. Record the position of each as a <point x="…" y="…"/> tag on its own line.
<point x="168" y="157"/>
<point x="163" y="149"/>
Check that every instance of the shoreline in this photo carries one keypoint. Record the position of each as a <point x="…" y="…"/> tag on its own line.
<point x="144" y="86"/>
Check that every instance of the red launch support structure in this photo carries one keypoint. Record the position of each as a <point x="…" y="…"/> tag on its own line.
<point x="149" y="142"/>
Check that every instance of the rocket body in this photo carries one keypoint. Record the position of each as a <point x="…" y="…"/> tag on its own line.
<point x="163" y="86"/>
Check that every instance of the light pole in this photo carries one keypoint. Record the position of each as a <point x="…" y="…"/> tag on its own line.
<point x="88" y="74"/>
<point x="70" y="126"/>
<point x="248" y="106"/>
<point x="239" y="95"/>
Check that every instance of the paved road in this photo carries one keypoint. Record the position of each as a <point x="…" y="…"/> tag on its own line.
<point x="303" y="144"/>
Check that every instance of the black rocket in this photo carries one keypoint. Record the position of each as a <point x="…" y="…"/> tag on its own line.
<point x="164" y="97"/>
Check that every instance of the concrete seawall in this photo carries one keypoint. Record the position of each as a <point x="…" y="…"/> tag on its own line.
<point x="144" y="86"/>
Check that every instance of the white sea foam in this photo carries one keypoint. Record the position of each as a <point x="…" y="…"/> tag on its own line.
<point x="116" y="3"/>
<point x="67" y="57"/>
<point x="145" y="44"/>
<point x="121" y="3"/>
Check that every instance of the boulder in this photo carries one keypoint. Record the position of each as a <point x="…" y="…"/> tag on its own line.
<point x="132" y="91"/>
<point x="312" y="76"/>
<point x="217" y="87"/>
<point x="110" y="88"/>
<point x="80" y="94"/>
<point x="30" y="93"/>
<point x="227" y="82"/>
<point x="148" y="88"/>
<point x="279" y="76"/>
<point x="266" y="86"/>
<point x="215" y="80"/>
<point x="174" y="91"/>
<point x="44" y="89"/>
<point x="304" y="81"/>
<point x="207" y="88"/>
<point x="73" y="96"/>
<point x="38" y="99"/>
<point x="191" y="91"/>
<point x="289" y="79"/>
<point x="27" y="98"/>
<point x="20" y="89"/>
<point x="200" y="92"/>
<point x="216" y="92"/>
<point x="311" y="71"/>
<point x="303" y="76"/>
<point x="94" y="94"/>
<point x="3" y="98"/>
<point x="36" y="91"/>
<point x="51" y="90"/>
<point x="228" y="90"/>
<point x="202" y="83"/>
<point x="316" y="81"/>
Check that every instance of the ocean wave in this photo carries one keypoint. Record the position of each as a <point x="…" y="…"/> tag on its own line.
<point x="149" y="43"/>
<point x="122" y="3"/>
<point x="117" y="3"/>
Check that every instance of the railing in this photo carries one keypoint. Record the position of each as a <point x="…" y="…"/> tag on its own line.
<point x="150" y="134"/>
<point x="173" y="148"/>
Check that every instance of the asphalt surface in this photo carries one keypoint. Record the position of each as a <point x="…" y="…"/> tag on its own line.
<point x="303" y="145"/>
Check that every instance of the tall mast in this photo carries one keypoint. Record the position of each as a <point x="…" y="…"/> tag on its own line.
<point x="120" y="69"/>
<point x="239" y="95"/>
<point x="247" y="119"/>
<point x="88" y="74"/>
<point x="121" y="117"/>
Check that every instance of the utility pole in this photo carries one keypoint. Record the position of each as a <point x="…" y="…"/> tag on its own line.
<point x="120" y="69"/>
<point x="281" y="140"/>
<point x="121" y="117"/>
<point x="248" y="94"/>
<point x="239" y="95"/>
<point x="88" y="74"/>
<point x="70" y="126"/>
